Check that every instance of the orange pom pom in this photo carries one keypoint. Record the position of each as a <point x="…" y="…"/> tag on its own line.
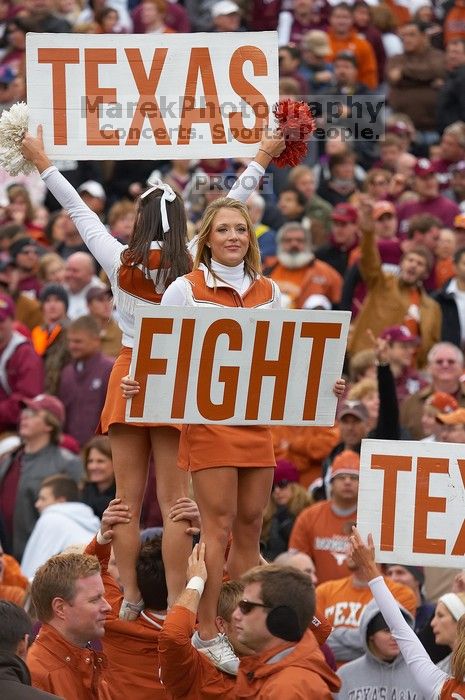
<point x="297" y="123"/>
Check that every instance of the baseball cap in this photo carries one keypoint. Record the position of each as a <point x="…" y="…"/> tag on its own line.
<point x="224" y="7"/>
<point x="346" y="56"/>
<point x="459" y="221"/>
<point x="317" y="42"/>
<point x="442" y="402"/>
<point x="458" y="167"/>
<point x="345" y="213"/>
<point x="383" y="207"/>
<point x="417" y="572"/>
<point x="353" y="408"/>
<point x="424" y="167"/>
<point x="93" y="188"/>
<point x="399" y="334"/>
<point x="18" y="246"/>
<point x="317" y="301"/>
<point x="98" y="293"/>
<point x="7" y="307"/>
<point x="456" y="417"/>
<point x="285" y="471"/>
<point x="399" y="128"/>
<point x="45" y="402"/>
<point x="346" y="462"/>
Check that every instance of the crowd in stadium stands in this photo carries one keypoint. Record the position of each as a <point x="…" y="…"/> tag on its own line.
<point x="375" y="226"/>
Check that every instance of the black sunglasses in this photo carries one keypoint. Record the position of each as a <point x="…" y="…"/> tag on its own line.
<point x="282" y="484"/>
<point x="246" y="606"/>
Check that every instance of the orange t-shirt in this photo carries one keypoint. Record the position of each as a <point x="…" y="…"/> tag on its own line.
<point x="289" y="281"/>
<point x="443" y="271"/>
<point x="322" y="534"/>
<point x="343" y="603"/>
<point x="364" y="54"/>
<point x="450" y="688"/>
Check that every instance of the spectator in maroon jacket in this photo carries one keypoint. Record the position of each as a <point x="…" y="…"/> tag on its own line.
<point x="21" y="369"/>
<point x="25" y="258"/>
<point x="84" y="381"/>
<point x="429" y="201"/>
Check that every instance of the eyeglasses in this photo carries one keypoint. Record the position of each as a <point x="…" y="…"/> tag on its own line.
<point x="246" y="606"/>
<point x="281" y="484"/>
<point x="445" y="361"/>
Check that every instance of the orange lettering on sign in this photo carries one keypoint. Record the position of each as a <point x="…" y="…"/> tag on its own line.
<point x="228" y="375"/>
<point x="181" y="380"/>
<point x="424" y="504"/>
<point x="200" y="65"/>
<point x="459" y="546"/>
<point x="146" y="364"/>
<point x="59" y="58"/>
<point x="391" y="465"/>
<point x="97" y="95"/>
<point x="248" y="93"/>
<point x="320" y="332"/>
<point x="260" y="367"/>
<point x="147" y="105"/>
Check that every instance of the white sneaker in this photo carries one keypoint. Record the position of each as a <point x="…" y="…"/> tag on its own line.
<point x="220" y="651"/>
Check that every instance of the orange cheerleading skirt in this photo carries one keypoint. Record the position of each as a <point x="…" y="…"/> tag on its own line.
<point x="212" y="446"/>
<point x="114" y="410"/>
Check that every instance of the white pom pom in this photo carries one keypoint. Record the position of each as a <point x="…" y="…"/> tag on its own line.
<point x="13" y="127"/>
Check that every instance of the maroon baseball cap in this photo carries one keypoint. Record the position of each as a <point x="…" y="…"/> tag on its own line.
<point x="399" y="334"/>
<point x="424" y="167"/>
<point x="45" y="402"/>
<point x="345" y="213"/>
<point x="7" y="307"/>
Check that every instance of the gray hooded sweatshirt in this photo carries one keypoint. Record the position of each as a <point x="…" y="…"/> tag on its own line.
<point x="369" y="678"/>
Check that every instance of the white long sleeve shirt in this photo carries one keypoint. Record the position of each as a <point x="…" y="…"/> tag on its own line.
<point x="107" y="249"/>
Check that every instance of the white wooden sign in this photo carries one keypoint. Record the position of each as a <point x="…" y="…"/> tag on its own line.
<point x="237" y="366"/>
<point x="412" y="498"/>
<point x="164" y="96"/>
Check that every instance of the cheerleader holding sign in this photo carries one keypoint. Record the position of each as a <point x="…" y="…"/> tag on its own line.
<point x="140" y="272"/>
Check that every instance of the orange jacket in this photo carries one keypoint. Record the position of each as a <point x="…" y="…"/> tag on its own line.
<point x="64" y="669"/>
<point x="131" y="647"/>
<point x="343" y="603"/>
<point x="364" y="55"/>
<point x="185" y="672"/>
<point x="304" y="446"/>
<point x="451" y="688"/>
<point x="12" y="574"/>
<point x="324" y="536"/>
<point x="290" y="670"/>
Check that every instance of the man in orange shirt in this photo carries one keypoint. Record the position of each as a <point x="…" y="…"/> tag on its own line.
<point x="344" y="38"/>
<point x="273" y="619"/>
<point x="68" y="597"/>
<point x="322" y="530"/>
<point x="298" y="273"/>
<point x="343" y="602"/>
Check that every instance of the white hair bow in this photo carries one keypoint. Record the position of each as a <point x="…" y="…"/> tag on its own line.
<point x="169" y="195"/>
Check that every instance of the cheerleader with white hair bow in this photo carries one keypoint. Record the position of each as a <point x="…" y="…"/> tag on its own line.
<point x="140" y="272"/>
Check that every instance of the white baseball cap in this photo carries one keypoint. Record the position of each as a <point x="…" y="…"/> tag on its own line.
<point x="224" y="7"/>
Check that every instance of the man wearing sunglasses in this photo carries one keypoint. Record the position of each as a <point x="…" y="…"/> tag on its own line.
<point x="272" y="619"/>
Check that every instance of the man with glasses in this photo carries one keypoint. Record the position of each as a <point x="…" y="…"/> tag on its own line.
<point x="272" y="619"/>
<point x="445" y="367"/>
